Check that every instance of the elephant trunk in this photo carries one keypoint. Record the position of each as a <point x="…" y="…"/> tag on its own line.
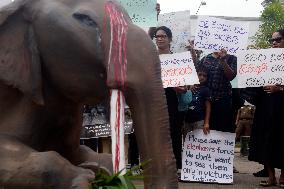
<point x="146" y="99"/>
<point x="138" y="75"/>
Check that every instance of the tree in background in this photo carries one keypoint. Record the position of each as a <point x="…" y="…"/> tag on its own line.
<point x="272" y="19"/>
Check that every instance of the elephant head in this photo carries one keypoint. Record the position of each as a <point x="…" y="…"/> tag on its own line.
<point x="55" y="56"/>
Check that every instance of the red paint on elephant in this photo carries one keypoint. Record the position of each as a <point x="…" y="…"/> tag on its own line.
<point x="117" y="60"/>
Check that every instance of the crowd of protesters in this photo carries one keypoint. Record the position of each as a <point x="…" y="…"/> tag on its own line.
<point x="215" y="105"/>
<point x="216" y="110"/>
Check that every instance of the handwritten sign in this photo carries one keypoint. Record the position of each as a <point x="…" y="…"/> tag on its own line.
<point x="178" y="70"/>
<point x="260" y="67"/>
<point x="213" y="34"/>
<point x="208" y="158"/>
<point x="179" y="23"/>
<point x="142" y="12"/>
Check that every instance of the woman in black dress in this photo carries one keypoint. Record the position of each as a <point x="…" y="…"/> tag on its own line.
<point x="267" y="137"/>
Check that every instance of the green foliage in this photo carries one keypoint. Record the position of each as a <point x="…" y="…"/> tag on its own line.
<point x="118" y="180"/>
<point x="272" y="19"/>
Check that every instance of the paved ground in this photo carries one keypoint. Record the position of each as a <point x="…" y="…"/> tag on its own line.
<point x="242" y="180"/>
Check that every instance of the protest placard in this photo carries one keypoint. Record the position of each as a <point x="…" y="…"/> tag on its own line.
<point x="178" y="70"/>
<point x="214" y="34"/>
<point x="208" y="158"/>
<point x="179" y="23"/>
<point x="260" y="67"/>
<point x="142" y="12"/>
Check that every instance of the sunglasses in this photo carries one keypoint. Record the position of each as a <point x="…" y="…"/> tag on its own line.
<point x="277" y="40"/>
<point x="161" y="36"/>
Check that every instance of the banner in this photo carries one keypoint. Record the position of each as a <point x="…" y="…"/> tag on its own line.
<point x="178" y="70"/>
<point x="142" y="12"/>
<point x="214" y="34"/>
<point x="96" y="122"/>
<point x="260" y="67"/>
<point x="208" y="158"/>
<point x="179" y="23"/>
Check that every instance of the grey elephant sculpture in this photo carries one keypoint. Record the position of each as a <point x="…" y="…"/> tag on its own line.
<point x="55" y="56"/>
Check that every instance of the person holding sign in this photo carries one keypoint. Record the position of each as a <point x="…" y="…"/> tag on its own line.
<point x="163" y="37"/>
<point x="267" y="141"/>
<point x="222" y="69"/>
<point x="198" y="113"/>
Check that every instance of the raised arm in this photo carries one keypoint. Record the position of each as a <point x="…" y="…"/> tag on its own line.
<point x="229" y="64"/>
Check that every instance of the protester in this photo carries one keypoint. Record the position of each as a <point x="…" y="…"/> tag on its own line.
<point x="163" y="37"/>
<point x="222" y="68"/>
<point x="198" y="113"/>
<point x="266" y="142"/>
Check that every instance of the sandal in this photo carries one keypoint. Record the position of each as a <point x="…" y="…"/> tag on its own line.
<point x="267" y="183"/>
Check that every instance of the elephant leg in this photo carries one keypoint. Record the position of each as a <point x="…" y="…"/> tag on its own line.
<point x="95" y="161"/>
<point x="23" y="167"/>
<point x="151" y="126"/>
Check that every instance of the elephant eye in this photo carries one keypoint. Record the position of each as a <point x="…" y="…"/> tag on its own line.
<point x="85" y="19"/>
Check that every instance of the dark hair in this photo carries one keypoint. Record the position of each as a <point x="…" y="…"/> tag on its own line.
<point x="281" y="31"/>
<point x="166" y="30"/>
<point x="202" y="68"/>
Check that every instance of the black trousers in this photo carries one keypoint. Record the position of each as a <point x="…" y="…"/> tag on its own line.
<point x="133" y="152"/>
<point x="176" y="135"/>
<point x="221" y="115"/>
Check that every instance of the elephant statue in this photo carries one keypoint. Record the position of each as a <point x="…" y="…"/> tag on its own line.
<point x="56" y="56"/>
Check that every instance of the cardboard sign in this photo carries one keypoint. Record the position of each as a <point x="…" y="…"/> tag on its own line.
<point x="208" y="158"/>
<point x="178" y="70"/>
<point x="214" y="34"/>
<point x="142" y="12"/>
<point x="260" y="67"/>
<point x="179" y="23"/>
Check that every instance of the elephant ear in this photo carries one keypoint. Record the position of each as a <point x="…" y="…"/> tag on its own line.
<point x="19" y="57"/>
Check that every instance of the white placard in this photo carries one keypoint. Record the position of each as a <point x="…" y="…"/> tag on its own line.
<point x="208" y="158"/>
<point x="142" y="12"/>
<point x="178" y="70"/>
<point x="179" y="23"/>
<point x="213" y="34"/>
<point x="260" y="67"/>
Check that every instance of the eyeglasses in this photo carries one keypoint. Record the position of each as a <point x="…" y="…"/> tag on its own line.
<point x="161" y="36"/>
<point x="277" y="40"/>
